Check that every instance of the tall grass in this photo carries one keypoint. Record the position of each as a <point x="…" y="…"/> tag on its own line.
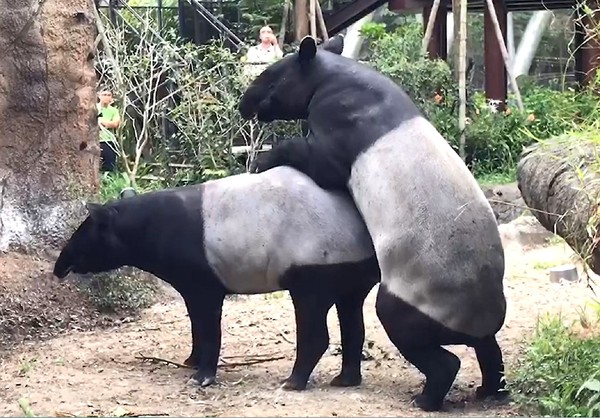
<point x="559" y="374"/>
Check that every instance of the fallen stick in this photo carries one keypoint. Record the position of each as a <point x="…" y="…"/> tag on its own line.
<point x="224" y="364"/>
<point x="251" y="362"/>
<point x="286" y="339"/>
<point x="162" y="360"/>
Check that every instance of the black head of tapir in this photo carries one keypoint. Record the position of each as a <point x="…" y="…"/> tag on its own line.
<point x="284" y="89"/>
<point x="94" y="247"/>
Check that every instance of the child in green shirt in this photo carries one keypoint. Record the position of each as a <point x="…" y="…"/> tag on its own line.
<point x="109" y="120"/>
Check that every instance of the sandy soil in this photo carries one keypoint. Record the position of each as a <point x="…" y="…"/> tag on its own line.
<point x="96" y="372"/>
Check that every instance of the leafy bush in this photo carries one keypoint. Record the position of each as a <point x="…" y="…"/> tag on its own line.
<point x="494" y="140"/>
<point x="560" y="372"/>
<point x="179" y="106"/>
<point x="125" y="290"/>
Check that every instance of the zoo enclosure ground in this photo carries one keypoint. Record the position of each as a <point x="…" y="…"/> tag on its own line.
<point x="92" y="370"/>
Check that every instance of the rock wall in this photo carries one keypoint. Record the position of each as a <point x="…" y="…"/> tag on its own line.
<point x="47" y="108"/>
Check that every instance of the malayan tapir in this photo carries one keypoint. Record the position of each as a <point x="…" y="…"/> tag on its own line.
<point x="243" y="234"/>
<point x="435" y="235"/>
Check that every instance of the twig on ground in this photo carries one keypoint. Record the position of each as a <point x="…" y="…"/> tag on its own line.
<point x="284" y="336"/>
<point x="250" y="361"/>
<point x="162" y="360"/>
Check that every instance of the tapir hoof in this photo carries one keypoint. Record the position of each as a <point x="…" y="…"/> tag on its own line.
<point x="346" y="380"/>
<point x="202" y="380"/>
<point x="427" y="404"/>
<point x="293" y="384"/>
<point x="483" y="392"/>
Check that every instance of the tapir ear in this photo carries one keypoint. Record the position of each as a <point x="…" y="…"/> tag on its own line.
<point x="99" y="213"/>
<point x="308" y="49"/>
<point x="335" y="44"/>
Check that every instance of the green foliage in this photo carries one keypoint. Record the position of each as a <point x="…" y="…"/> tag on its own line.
<point x="111" y="185"/>
<point x="126" y="290"/>
<point x="505" y="177"/>
<point x="494" y="140"/>
<point x="181" y="101"/>
<point x="256" y="14"/>
<point x="559" y="374"/>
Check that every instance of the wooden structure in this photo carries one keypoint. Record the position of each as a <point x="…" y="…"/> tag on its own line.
<point x="587" y="56"/>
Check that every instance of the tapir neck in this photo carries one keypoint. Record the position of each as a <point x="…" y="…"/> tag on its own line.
<point x="148" y="230"/>
<point x="136" y="233"/>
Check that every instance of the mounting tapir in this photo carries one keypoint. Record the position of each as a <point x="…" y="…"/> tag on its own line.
<point x="243" y="234"/>
<point x="435" y="234"/>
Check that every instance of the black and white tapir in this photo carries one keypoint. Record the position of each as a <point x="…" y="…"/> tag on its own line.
<point x="434" y="232"/>
<point x="244" y="234"/>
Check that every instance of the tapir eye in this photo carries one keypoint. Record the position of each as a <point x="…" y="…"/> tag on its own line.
<point x="272" y="86"/>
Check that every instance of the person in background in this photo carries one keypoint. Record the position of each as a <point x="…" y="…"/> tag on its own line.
<point x="266" y="52"/>
<point x="109" y="121"/>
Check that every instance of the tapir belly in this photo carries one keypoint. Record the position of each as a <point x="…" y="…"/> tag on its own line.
<point x="434" y="233"/>
<point x="255" y="255"/>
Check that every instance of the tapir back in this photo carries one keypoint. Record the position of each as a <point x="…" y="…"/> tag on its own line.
<point x="257" y="226"/>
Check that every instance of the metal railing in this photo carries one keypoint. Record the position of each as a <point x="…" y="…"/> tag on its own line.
<point x="199" y="9"/>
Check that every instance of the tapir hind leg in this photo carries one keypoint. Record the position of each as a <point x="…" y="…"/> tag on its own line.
<point x="419" y="340"/>
<point x="491" y="364"/>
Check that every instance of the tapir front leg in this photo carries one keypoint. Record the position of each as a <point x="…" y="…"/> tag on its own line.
<point x="352" y="328"/>
<point x="195" y="317"/>
<point x="312" y="336"/>
<point x="205" y="314"/>
<point x="190" y="293"/>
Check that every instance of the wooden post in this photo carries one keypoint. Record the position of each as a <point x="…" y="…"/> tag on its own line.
<point x="312" y="18"/>
<point x="300" y="19"/>
<point x="462" y="77"/>
<point x="321" y="21"/>
<point x="500" y="39"/>
<point x="284" y="19"/>
<point x="587" y="53"/>
<point x="430" y="23"/>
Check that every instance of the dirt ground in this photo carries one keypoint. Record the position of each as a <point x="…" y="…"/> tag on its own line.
<point x="95" y="371"/>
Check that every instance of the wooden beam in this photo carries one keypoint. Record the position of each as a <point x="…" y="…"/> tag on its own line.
<point x="312" y="18"/>
<point x="495" y="71"/>
<point x="321" y="21"/>
<point x="462" y="77"/>
<point x="434" y="40"/>
<point x="504" y="52"/>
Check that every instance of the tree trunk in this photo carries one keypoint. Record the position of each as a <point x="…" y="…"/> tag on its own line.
<point x="558" y="180"/>
<point x="47" y="110"/>
<point x="300" y="19"/>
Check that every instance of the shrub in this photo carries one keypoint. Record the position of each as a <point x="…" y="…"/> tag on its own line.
<point x="179" y="106"/>
<point x="125" y="290"/>
<point x="559" y="374"/>
<point x="494" y="140"/>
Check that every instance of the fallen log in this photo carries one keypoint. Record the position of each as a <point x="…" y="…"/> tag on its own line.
<point x="559" y="180"/>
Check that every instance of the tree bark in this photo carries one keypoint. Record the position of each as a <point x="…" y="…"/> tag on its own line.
<point x="47" y="111"/>
<point x="558" y="180"/>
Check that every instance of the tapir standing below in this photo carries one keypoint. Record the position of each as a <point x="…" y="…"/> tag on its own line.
<point x="243" y="234"/>
<point x="435" y="235"/>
